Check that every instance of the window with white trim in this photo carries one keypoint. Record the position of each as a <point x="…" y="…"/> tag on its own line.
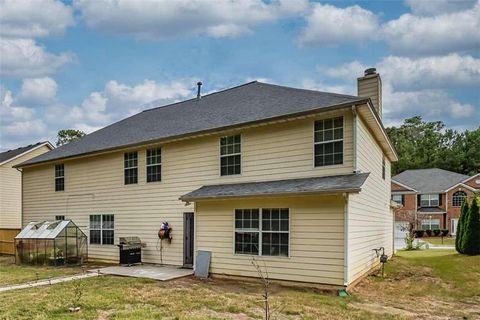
<point x="130" y="162"/>
<point x="102" y="229"/>
<point x="458" y="198"/>
<point x="328" y="142"/>
<point x="429" y="200"/>
<point x="398" y="198"/>
<point x="263" y="232"/>
<point x="430" y="224"/>
<point x="154" y="165"/>
<point x="59" y="177"/>
<point x="230" y="155"/>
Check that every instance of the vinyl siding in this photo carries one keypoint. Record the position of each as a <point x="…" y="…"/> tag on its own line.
<point x="370" y="223"/>
<point x="370" y="86"/>
<point x="11" y="190"/>
<point x="94" y="185"/>
<point x="316" y="238"/>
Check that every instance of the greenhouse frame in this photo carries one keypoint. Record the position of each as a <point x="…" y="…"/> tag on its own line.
<point x="51" y="243"/>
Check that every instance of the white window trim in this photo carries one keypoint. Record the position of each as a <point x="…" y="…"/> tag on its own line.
<point x="227" y="155"/>
<point x="431" y="197"/>
<point x="429" y="223"/>
<point x="153" y="164"/>
<point x="101" y="229"/>
<point x="453" y="198"/>
<point x="398" y="195"/>
<point x="59" y="177"/>
<point x="260" y="231"/>
<point x="323" y="142"/>
<point x="126" y="168"/>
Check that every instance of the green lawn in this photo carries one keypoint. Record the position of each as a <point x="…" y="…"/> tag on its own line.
<point x="438" y="240"/>
<point x="12" y="274"/>
<point x="418" y="284"/>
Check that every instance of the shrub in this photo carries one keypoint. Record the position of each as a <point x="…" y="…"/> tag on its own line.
<point x="444" y="232"/>
<point x="429" y="232"/>
<point x="471" y="235"/>
<point x="461" y="222"/>
<point x="436" y="232"/>
<point x="419" y="233"/>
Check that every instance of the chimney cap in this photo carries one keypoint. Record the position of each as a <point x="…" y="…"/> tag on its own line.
<point x="370" y="71"/>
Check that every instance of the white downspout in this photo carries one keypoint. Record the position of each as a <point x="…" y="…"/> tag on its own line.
<point x="354" y="138"/>
<point x="345" y="241"/>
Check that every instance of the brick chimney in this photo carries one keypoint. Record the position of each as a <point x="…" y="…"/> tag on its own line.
<point x="370" y="86"/>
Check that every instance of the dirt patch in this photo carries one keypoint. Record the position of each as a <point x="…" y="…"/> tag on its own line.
<point x="379" y="309"/>
<point x="104" y="314"/>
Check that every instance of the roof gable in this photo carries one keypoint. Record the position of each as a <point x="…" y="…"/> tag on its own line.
<point x="429" y="180"/>
<point x="15" y="153"/>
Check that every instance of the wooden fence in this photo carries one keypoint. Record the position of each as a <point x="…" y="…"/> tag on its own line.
<point x="7" y="240"/>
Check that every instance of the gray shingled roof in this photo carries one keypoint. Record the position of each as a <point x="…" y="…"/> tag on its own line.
<point x="340" y="183"/>
<point x="431" y="210"/>
<point x="429" y="180"/>
<point x="7" y="155"/>
<point x="248" y="103"/>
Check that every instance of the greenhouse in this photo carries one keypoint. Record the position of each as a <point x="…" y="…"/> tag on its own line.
<point x="51" y="243"/>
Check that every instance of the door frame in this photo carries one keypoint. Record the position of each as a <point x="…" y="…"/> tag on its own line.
<point x="453" y="231"/>
<point x="191" y="237"/>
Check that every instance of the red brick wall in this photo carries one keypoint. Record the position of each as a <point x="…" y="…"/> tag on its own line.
<point x="472" y="182"/>
<point x="407" y="212"/>
<point x="454" y="212"/>
<point x="396" y="187"/>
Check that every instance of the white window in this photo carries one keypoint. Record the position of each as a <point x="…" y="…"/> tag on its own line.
<point x="263" y="232"/>
<point x="458" y="198"/>
<point x="328" y="142"/>
<point x="430" y="224"/>
<point x="429" y="200"/>
<point x="398" y="198"/>
<point x="59" y="177"/>
<point x="130" y="162"/>
<point x="230" y="155"/>
<point x="102" y="229"/>
<point x="154" y="165"/>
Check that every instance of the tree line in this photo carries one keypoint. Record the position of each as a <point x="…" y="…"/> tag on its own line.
<point x="421" y="144"/>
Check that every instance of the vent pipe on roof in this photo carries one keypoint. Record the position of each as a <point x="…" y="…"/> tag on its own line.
<point x="199" y="85"/>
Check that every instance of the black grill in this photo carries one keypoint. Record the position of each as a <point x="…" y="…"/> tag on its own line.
<point x="130" y="250"/>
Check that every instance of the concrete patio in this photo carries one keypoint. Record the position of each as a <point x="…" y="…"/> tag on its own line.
<point x="156" y="272"/>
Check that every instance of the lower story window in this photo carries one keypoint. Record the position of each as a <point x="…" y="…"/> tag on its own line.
<point x="102" y="229"/>
<point x="59" y="218"/>
<point x="430" y="224"/>
<point x="263" y="232"/>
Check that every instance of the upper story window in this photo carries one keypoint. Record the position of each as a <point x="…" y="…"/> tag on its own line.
<point x="102" y="229"/>
<point x="230" y="155"/>
<point x="328" y="142"/>
<point x="398" y="198"/>
<point x="263" y="232"/>
<point x="429" y="200"/>
<point x="383" y="167"/>
<point x="131" y="167"/>
<point x="154" y="165"/>
<point x="59" y="177"/>
<point x="458" y="198"/>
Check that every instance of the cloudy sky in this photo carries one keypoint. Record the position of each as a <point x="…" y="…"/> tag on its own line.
<point x="85" y="64"/>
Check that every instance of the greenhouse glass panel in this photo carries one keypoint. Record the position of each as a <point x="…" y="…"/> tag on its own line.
<point x="51" y="243"/>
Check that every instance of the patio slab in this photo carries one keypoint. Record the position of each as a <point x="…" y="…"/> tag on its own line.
<point x="156" y="272"/>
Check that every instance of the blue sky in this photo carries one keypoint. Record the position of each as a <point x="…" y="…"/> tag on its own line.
<point x="85" y="64"/>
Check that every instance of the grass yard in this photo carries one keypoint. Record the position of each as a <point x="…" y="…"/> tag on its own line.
<point x="418" y="285"/>
<point x="447" y="241"/>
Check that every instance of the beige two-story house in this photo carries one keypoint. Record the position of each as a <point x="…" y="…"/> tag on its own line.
<point x="11" y="191"/>
<point x="299" y="179"/>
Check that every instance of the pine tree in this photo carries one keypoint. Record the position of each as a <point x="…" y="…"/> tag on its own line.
<point x="460" y="227"/>
<point x="471" y="235"/>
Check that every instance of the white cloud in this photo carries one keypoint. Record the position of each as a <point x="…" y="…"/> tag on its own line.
<point x="403" y="73"/>
<point x="9" y="111"/>
<point x="23" y="58"/>
<point x="38" y="91"/>
<point x="159" y="20"/>
<point x="425" y="35"/>
<point x="329" y="25"/>
<point x="425" y="7"/>
<point x="27" y="19"/>
<point x="311" y="84"/>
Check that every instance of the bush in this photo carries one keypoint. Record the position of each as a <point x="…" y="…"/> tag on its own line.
<point x="436" y="232"/>
<point x="461" y="222"/>
<point x="471" y="231"/>
<point x="419" y="233"/>
<point x="444" y="232"/>
<point x="429" y="232"/>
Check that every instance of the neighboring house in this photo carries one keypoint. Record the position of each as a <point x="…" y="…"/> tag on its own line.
<point x="11" y="190"/>
<point x="431" y="198"/>
<point x="297" y="178"/>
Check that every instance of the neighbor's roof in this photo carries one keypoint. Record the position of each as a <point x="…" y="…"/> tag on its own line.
<point x="249" y="103"/>
<point x="431" y="210"/>
<point x="15" y="153"/>
<point x="328" y="184"/>
<point x="429" y="180"/>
